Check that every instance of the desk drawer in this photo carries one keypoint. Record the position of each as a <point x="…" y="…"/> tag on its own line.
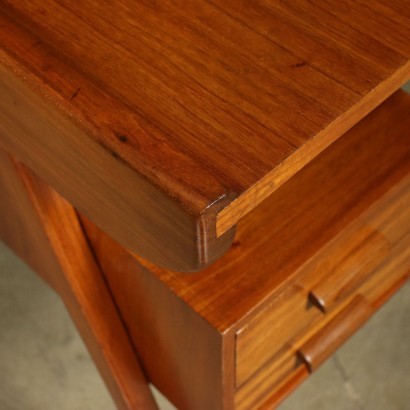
<point x="233" y="330"/>
<point x="345" y="264"/>
<point x="324" y="282"/>
<point x="267" y="335"/>
<point x="329" y="330"/>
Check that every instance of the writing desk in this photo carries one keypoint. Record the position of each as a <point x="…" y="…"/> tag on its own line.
<point x="167" y="127"/>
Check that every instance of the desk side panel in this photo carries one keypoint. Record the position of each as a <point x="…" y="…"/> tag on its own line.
<point x="181" y="353"/>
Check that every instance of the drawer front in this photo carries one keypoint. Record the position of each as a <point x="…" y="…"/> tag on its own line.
<point x="348" y="261"/>
<point x="324" y="282"/>
<point x="266" y="336"/>
<point x="332" y="335"/>
<point x="306" y="351"/>
<point x="259" y="387"/>
<point x="325" y="336"/>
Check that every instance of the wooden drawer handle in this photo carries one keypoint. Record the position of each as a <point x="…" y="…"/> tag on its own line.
<point x="335" y="333"/>
<point x="347" y="265"/>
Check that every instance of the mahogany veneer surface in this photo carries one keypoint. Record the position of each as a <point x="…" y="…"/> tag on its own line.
<point x="197" y="103"/>
<point x="285" y="231"/>
<point x="233" y="330"/>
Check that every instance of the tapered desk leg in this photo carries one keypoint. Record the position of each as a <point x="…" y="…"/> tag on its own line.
<point x="43" y="229"/>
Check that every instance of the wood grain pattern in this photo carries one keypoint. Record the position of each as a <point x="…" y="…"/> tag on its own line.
<point x="376" y="289"/>
<point x="267" y="380"/>
<point x="52" y="242"/>
<point x="296" y="221"/>
<point x="352" y="188"/>
<point x="379" y="289"/>
<point x="181" y="353"/>
<point x="287" y="387"/>
<point x="333" y="274"/>
<point x="20" y="227"/>
<point x="103" y="187"/>
<point x="346" y="265"/>
<point x="270" y="384"/>
<point x="335" y="333"/>
<point x="265" y="337"/>
<point x="204" y="101"/>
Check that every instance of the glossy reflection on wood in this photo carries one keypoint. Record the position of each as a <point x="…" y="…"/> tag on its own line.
<point x="196" y="103"/>
<point x="335" y="333"/>
<point x="233" y="330"/>
<point x="302" y="216"/>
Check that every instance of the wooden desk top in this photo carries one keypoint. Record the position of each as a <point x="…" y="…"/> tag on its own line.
<point x="166" y="122"/>
<point x="279" y="239"/>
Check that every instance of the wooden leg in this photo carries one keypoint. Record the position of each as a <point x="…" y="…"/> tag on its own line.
<point x="45" y="231"/>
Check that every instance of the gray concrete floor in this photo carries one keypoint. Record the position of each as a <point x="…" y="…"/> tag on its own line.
<point x="45" y="366"/>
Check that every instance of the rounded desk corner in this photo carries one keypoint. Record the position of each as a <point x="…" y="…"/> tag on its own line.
<point x="210" y="245"/>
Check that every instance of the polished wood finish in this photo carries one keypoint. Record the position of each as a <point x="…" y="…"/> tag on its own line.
<point x="286" y="316"/>
<point x="278" y="377"/>
<point x="171" y="121"/>
<point x="45" y="231"/>
<point x="227" y="321"/>
<point x="335" y="333"/>
<point x="287" y="386"/>
<point x="21" y="228"/>
<point x="100" y="185"/>
<point x="264" y="383"/>
<point x="305" y="325"/>
<point x="180" y="351"/>
<point x="284" y="389"/>
<point x="277" y="239"/>
<point x="346" y="265"/>
<point x="356" y="252"/>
